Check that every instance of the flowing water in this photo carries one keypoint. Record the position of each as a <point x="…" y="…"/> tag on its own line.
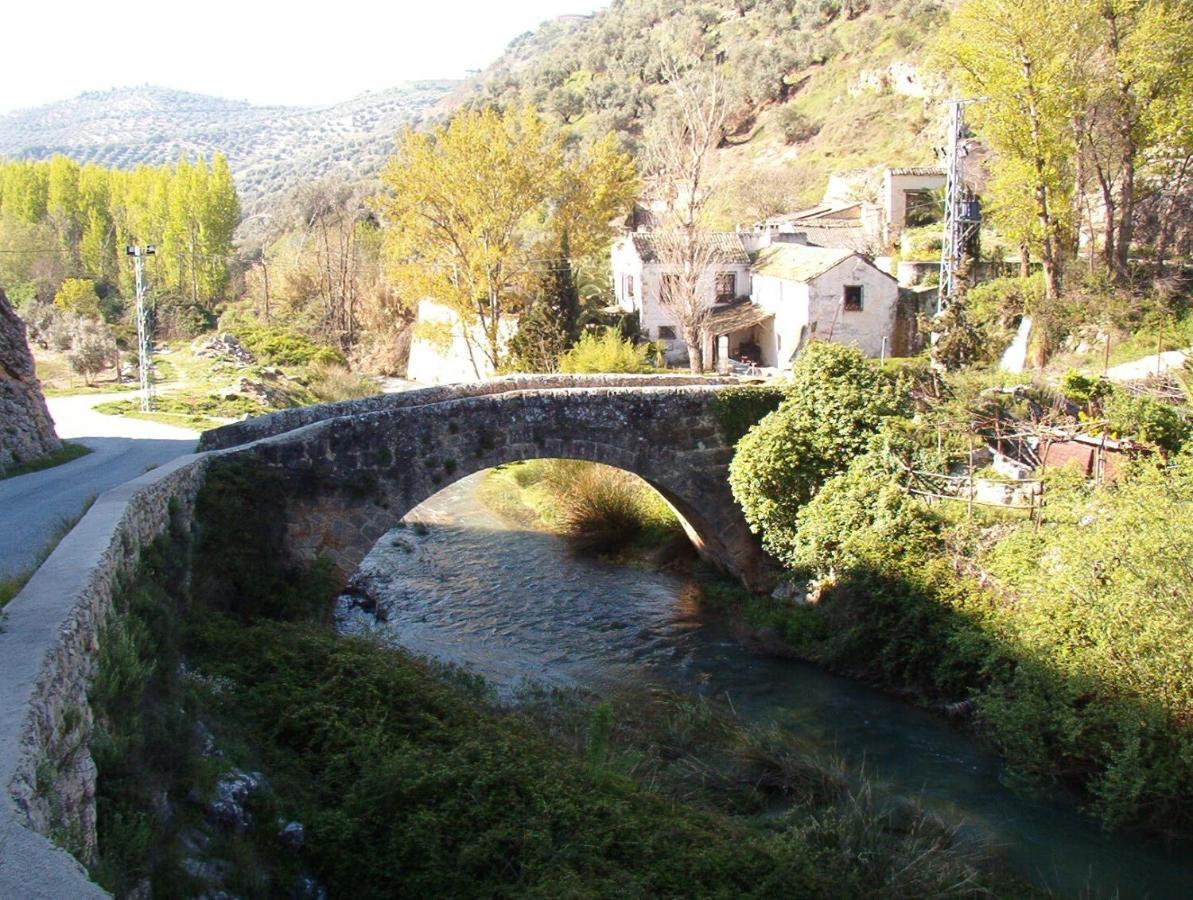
<point x="461" y="585"/>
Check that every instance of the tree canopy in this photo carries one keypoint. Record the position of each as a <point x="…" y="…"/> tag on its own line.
<point x="475" y="212"/>
<point x="60" y="219"/>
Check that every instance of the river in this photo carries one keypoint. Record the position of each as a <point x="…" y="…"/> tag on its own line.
<point x="461" y="585"/>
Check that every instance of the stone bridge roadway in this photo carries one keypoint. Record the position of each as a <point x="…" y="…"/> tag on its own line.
<point x="354" y="469"/>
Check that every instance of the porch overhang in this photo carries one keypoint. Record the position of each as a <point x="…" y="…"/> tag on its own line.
<point x="727" y="318"/>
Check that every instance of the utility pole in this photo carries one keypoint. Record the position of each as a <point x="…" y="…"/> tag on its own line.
<point x="144" y="339"/>
<point x="962" y="215"/>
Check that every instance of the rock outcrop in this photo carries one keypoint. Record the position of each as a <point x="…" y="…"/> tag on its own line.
<point x="26" y="429"/>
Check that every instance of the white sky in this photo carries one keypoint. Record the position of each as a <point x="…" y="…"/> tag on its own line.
<point x="265" y="51"/>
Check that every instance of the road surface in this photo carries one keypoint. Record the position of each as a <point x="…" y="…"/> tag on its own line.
<point x="33" y="506"/>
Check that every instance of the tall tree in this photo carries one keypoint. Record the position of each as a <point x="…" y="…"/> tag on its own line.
<point x="1134" y="83"/>
<point x="686" y="132"/>
<point x="472" y="210"/>
<point x="1017" y="56"/>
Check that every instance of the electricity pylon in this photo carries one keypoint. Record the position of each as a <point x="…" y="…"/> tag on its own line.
<point x="144" y="337"/>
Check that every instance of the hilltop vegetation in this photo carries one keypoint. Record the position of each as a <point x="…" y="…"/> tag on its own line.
<point x="271" y="149"/>
<point x="815" y="87"/>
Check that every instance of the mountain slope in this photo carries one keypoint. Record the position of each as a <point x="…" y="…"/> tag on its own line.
<point x="816" y="86"/>
<point x="270" y="148"/>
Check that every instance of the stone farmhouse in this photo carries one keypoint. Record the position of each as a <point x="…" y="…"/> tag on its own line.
<point x="766" y="297"/>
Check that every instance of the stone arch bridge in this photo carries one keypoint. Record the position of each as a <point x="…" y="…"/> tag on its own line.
<point x="352" y="470"/>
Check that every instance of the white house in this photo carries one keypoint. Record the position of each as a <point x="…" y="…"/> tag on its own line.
<point x="768" y="306"/>
<point x="638" y="275"/>
<point x="823" y="293"/>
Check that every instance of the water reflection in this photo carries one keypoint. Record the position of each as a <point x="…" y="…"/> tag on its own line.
<point x="460" y="585"/>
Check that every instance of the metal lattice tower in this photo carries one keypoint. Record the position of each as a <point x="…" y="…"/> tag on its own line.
<point x="961" y="213"/>
<point x="144" y="334"/>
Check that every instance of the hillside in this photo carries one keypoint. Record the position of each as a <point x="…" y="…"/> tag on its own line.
<point x="816" y="87"/>
<point x="270" y="148"/>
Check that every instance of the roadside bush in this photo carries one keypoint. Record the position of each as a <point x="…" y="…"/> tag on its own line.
<point x="92" y="350"/>
<point x="330" y="382"/>
<point x="280" y="347"/>
<point x="606" y="351"/>
<point x="836" y="402"/>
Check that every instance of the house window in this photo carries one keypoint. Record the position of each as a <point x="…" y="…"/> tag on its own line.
<point x="629" y="287"/>
<point x="671" y="288"/>
<point x="666" y="333"/>
<point x="726" y="287"/>
<point x="853" y="297"/>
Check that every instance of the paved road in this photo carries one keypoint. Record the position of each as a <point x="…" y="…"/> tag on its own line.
<point x="33" y="506"/>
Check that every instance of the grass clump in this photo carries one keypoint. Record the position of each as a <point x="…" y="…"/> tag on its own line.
<point x="66" y="453"/>
<point x="331" y="382"/>
<point x="598" y="508"/>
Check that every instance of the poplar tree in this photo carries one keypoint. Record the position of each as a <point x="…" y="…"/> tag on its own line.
<point x="1017" y="57"/>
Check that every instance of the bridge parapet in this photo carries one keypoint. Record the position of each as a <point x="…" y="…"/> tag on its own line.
<point x="289" y="419"/>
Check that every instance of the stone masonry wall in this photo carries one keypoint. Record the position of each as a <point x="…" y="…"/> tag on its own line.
<point x="352" y="478"/>
<point x="290" y="419"/>
<point x="49" y="644"/>
<point x="26" y="429"/>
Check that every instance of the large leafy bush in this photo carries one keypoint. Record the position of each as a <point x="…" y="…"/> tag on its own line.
<point x="836" y="402"/>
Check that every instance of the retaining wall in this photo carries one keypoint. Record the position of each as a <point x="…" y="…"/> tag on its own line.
<point x="48" y="649"/>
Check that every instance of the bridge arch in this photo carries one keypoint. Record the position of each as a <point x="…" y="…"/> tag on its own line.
<point x="350" y="479"/>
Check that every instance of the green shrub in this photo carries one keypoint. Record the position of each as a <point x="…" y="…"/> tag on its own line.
<point x="280" y="347"/>
<point x="1084" y="389"/>
<point x="330" y="382"/>
<point x="863" y="508"/>
<point x="606" y="351"/>
<point x="795" y="125"/>
<point x="1146" y="419"/>
<point x="738" y="409"/>
<point x="835" y="403"/>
